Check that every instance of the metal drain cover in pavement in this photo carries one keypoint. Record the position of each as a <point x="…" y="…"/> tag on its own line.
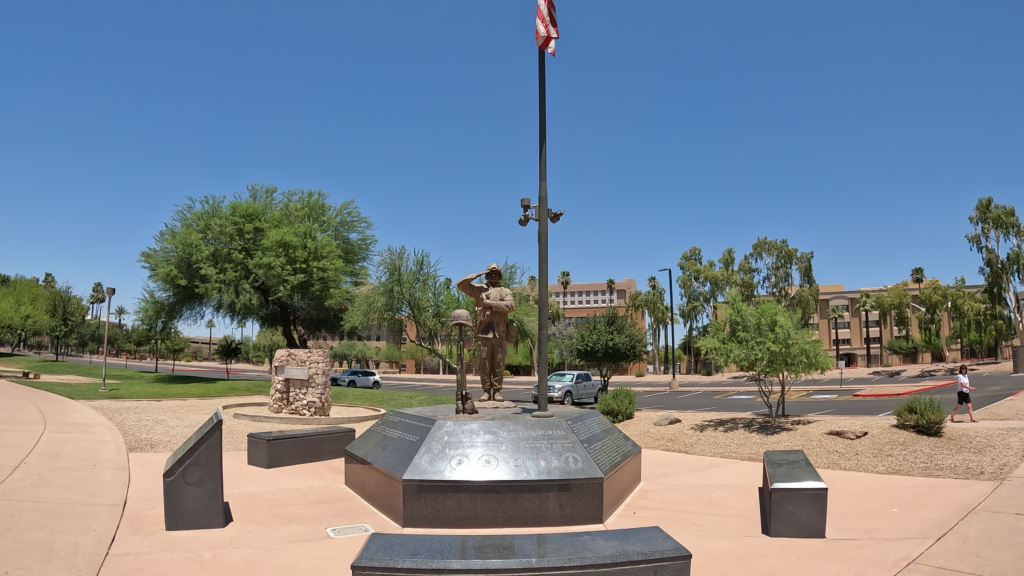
<point x="352" y="530"/>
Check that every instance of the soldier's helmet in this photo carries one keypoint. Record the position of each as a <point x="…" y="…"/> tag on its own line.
<point x="460" y="318"/>
<point x="495" y="268"/>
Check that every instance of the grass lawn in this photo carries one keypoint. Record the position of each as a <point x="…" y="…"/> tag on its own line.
<point x="129" y="384"/>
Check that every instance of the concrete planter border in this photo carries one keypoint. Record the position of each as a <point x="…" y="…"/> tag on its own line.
<point x="314" y="420"/>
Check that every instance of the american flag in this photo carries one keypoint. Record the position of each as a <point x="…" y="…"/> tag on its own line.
<point x="547" y="25"/>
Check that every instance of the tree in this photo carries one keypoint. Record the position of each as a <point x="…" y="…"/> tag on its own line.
<point x="835" y="315"/>
<point x="210" y="326"/>
<point x="344" y="351"/>
<point x="610" y="285"/>
<point x="66" y="313"/>
<point x="772" y="268"/>
<point x="563" y="337"/>
<point x="918" y="277"/>
<point x="120" y="312"/>
<point x="49" y="281"/>
<point x="23" y="306"/>
<point x="935" y="300"/>
<point x="866" y="305"/>
<point x="998" y="237"/>
<point x="267" y="343"/>
<point x="228" y="351"/>
<point x="96" y="298"/>
<point x="158" y="318"/>
<point x="176" y="346"/>
<point x="241" y="328"/>
<point x="564" y="280"/>
<point x="654" y="303"/>
<point x="770" y="343"/>
<point x="287" y="260"/>
<point x="608" y="341"/>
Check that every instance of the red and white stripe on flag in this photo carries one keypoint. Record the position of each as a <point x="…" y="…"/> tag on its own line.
<point x="547" y="25"/>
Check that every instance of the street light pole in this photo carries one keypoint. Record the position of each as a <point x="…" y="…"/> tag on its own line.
<point x="673" y="385"/>
<point x="106" y="333"/>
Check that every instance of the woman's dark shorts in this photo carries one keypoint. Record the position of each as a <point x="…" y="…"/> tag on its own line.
<point x="963" y="397"/>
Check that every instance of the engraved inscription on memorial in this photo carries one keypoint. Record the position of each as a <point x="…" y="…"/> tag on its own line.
<point x="607" y="446"/>
<point x="393" y="442"/>
<point x="293" y="372"/>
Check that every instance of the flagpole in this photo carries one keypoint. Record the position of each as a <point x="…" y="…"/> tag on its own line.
<point x="542" y="242"/>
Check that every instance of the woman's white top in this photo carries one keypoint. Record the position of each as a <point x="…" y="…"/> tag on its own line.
<point x="962" y="382"/>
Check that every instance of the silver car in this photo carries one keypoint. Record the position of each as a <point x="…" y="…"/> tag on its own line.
<point x="568" y="386"/>
<point x="356" y="378"/>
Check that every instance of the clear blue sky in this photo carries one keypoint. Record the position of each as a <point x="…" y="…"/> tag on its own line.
<point x="862" y="131"/>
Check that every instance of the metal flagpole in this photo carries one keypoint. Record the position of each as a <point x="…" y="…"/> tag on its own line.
<point x="542" y="241"/>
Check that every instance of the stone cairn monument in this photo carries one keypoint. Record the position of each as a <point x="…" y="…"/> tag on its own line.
<point x="300" y="383"/>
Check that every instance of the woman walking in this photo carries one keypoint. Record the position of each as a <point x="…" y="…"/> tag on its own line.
<point x="963" y="394"/>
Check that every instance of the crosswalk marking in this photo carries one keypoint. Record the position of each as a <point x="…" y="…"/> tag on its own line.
<point x="655" y="394"/>
<point x="822" y="412"/>
<point x="690" y="394"/>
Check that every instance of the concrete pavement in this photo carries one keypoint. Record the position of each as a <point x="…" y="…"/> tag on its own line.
<point x="63" y="482"/>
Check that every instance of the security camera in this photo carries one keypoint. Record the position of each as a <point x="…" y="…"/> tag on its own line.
<point x="555" y="216"/>
<point x="524" y="203"/>
<point x="524" y="219"/>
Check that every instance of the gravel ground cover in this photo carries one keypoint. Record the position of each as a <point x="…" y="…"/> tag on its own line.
<point x="1010" y="409"/>
<point x="162" y="425"/>
<point x="962" y="452"/>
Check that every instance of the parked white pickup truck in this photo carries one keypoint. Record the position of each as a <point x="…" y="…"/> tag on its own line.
<point x="568" y="386"/>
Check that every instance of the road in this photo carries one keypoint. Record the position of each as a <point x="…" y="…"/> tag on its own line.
<point x="828" y="401"/>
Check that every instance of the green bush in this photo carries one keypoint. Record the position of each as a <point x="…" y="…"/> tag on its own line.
<point x="640" y="374"/>
<point x="507" y="373"/>
<point x="954" y="360"/>
<point x="618" y="405"/>
<point x="705" y="371"/>
<point x="922" y="414"/>
<point x="886" y="364"/>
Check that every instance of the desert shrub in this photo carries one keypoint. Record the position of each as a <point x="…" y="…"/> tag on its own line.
<point x="886" y="364"/>
<point x="954" y="360"/>
<point x="506" y="373"/>
<point x="705" y="371"/>
<point x="922" y="414"/>
<point x="640" y="374"/>
<point x="618" y="405"/>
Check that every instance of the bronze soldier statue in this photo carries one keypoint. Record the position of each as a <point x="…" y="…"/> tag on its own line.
<point x="494" y="302"/>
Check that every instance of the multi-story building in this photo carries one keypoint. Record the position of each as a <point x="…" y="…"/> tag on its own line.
<point x="580" y="300"/>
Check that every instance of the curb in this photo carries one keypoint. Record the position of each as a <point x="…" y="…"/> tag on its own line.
<point x="894" y="394"/>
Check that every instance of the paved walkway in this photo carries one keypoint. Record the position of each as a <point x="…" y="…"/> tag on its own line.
<point x="63" y="483"/>
<point x="985" y="543"/>
<point x="877" y="524"/>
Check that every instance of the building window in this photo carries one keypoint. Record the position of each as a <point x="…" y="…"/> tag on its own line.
<point x="869" y="324"/>
<point x="874" y="339"/>
<point x="378" y="338"/>
<point x="603" y="301"/>
<point x="588" y="301"/>
<point x="845" y="307"/>
<point x="604" y="292"/>
<point x="842" y="341"/>
<point x="572" y="302"/>
<point x="842" y="325"/>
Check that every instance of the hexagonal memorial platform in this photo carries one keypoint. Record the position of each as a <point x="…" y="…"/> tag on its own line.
<point x="423" y="469"/>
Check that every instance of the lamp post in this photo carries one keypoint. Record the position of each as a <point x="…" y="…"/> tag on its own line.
<point x="673" y="384"/>
<point x="541" y="214"/>
<point x="106" y="332"/>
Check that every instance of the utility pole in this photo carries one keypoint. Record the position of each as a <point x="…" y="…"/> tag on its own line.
<point x="673" y="384"/>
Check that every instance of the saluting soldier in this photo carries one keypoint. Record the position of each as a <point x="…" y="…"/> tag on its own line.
<point x="494" y="302"/>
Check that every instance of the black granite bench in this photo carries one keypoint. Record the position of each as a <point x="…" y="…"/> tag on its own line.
<point x="291" y="447"/>
<point x="629" y="552"/>
<point x="795" y="496"/>
<point x="194" y="480"/>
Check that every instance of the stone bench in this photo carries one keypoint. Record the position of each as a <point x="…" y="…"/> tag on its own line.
<point x="795" y="496"/>
<point x="629" y="552"/>
<point x="291" y="447"/>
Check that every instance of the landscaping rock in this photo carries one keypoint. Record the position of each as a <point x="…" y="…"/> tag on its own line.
<point x="667" y="419"/>
<point x="848" y="434"/>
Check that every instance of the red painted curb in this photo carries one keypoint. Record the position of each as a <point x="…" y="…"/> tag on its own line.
<point x="893" y="394"/>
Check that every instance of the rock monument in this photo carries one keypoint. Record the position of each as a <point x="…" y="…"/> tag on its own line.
<point x="494" y="302"/>
<point x="301" y="383"/>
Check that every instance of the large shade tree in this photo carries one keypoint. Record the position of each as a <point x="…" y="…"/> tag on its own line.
<point x="998" y="236"/>
<point x="288" y="260"/>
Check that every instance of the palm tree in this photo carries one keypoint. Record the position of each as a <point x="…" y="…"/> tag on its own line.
<point x="120" y="312"/>
<point x="211" y="326"/>
<point x="655" y="302"/>
<point x="564" y="280"/>
<point x="835" y="314"/>
<point x="610" y="284"/>
<point x="97" y="296"/>
<point x="866" y="305"/>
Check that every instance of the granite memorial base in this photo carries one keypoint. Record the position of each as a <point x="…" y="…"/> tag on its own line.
<point x="291" y="447"/>
<point x="194" y="480"/>
<point x="422" y="469"/>
<point x="630" y="552"/>
<point x="795" y="496"/>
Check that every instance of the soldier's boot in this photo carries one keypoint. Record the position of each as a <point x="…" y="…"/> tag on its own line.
<point x="470" y="407"/>
<point x="486" y="397"/>
<point x="458" y="405"/>
<point x="496" y="393"/>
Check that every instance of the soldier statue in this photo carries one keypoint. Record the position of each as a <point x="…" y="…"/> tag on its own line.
<point x="494" y="302"/>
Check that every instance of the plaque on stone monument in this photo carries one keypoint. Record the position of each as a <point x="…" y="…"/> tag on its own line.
<point x="293" y="372"/>
<point x="606" y="444"/>
<point x="423" y="469"/>
<point x="194" y="480"/>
